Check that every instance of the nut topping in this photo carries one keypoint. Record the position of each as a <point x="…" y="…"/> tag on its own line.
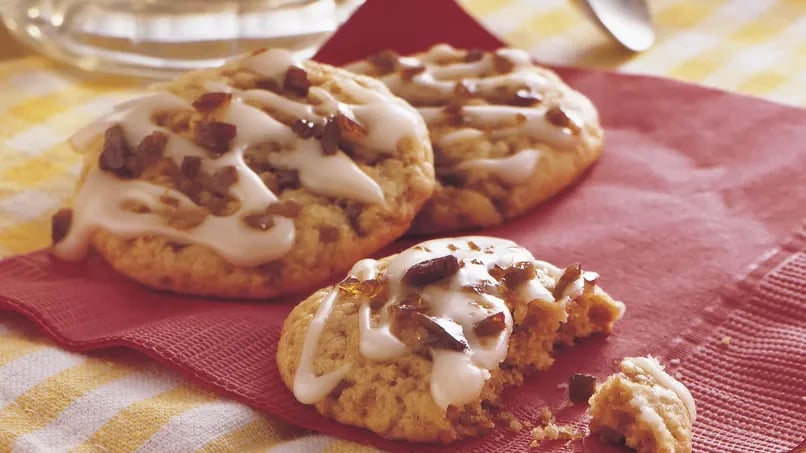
<point x="328" y="233"/>
<point x="503" y="65"/>
<point x="474" y="55"/>
<point x="209" y="102"/>
<point x="525" y="98"/>
<point x="491" y="325"/>
<point x="462" y="90"/>
<point x="223" y="179"/>
<point x="581" y="387"/>
<point x="215" y="135"/>
<point x="259" y="221"/>
<point x="431" y="271"/>
<point x="115" y="153"/>
<point x="60" y="224"/>
<point x="296" y="81"/>
<point x="287" y="208"/>
<point x="409" y="72"/>
<point x="420" y="331"/>
<point x="518" y="273"/>
<point x="190" y="167"/>
<point x="570" y="275"/>
<point x="330" y="137"/>
<point x="186" y="219"/>
<point x="307" y="129"/>
<point x="349" y="129"/>
<point x="151" y="147"/>
<point x="558" y="117"/>
<point x="385" y="60"/>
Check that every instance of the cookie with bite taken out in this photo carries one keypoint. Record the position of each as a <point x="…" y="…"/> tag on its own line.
<point x="420" y="345"/>
<point x="507" y="134"/>
<point x="260" y="178"/>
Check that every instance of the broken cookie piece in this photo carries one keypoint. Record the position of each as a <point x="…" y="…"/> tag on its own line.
<point x="645" y="407"/>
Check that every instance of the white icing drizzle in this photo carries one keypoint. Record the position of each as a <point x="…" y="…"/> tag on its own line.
<point x="650" y="416"/>
<point x="457" y="377"/>
<point x="501" y="118"/>
<point x="512" y="170"/>
<point x="308" y="387"/>
<point x="652" y="367"/>
<point x="98" y="203"/>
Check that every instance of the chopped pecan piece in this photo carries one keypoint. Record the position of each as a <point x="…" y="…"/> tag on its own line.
<point x="364" y="288"/>
<point x="503" y="65"/>
<point x="115" y="155"/>
<point x="570" y="275"/>
<point x="491" y="325"/>
<point x="420" y="331"/>
<point x="259" y="221"/>
<point x="409" y="72"/>
<point x="473" y="246"/>
<point x="169" y="200"/>
<point x="307" y="129"/>
<point x="287" y="208"/>
<point x="385" y="60"/>
<point x="349" y="129"/>
<point x="268" y="85"/>
<point x="525" y="98"/>
<point x="431" y="271"/>
<point x="581" y="387"/>
<point x="209" y="102"/>
<point x="215" y="135"/>
<point x="60" y="224"/>
<point x="287" y="179"/>
<point x="353" y="212"/>
<point x="190" y="167"/>
<point x="474" y="55"/>
<point x="462" y="90"/>
<point x="331" y="137"/>
<point x="518" y="273"/>
<point x="328" y="233"/>
<point x="558" y="117"/>
<point x="296" y="81"/>
<point x="223" y="179"/>
<point x="186" y="219"/>
<point x="151" y="147"/>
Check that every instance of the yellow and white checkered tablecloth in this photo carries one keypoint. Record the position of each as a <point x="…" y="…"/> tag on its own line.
<point x="53" y="400"/>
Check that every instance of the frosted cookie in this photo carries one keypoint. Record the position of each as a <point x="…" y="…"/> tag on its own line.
<point x="420" y="345"/>
<point x="259" y="178"/>
<point x="507" y="134"/>
<point x="650" y="410"/>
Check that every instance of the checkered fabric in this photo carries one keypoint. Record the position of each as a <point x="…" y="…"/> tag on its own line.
<point x="53" y="400"/>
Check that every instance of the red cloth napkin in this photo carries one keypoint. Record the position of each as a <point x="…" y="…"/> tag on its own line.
<point x="695" y="186"/>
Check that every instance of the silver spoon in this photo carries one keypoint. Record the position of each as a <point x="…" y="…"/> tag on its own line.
<point x="627" y="21"/>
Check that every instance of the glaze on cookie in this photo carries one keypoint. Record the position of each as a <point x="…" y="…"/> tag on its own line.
<point x="644" y="406"/>
<point x="259" y="178"/>
<point x="420" y="345"/>
<point x="507" y="134"/>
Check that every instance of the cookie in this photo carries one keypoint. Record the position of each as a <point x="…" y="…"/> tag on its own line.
<point x="507" y="134"/>
<point x="420" y="345"/>
<point x="644" y="406"/>
<point x="256" y="179"/>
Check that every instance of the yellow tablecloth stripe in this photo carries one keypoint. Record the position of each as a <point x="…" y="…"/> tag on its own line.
<point x="52" y="400"/>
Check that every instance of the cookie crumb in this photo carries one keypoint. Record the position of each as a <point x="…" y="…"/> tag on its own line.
<point x="674" y="362"/>
<point x="549" y="430"/>
<point x="725" y="341"/>
<point x="678" y="375"/>
<point x="510" y="421"/>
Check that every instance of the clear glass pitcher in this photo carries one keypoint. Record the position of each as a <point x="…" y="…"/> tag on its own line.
<point x="158" y="38"/>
